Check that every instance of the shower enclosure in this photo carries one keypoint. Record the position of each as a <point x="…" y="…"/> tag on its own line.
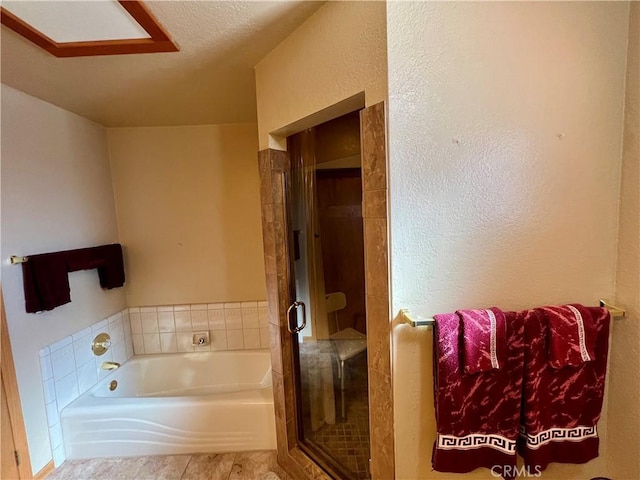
<point x="327" y="319"/>
<point x="344" y="350"/>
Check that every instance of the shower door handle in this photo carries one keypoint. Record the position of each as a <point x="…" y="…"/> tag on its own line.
<point x="294" y="307"/>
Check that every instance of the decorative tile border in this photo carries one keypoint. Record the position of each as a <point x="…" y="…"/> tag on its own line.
<point x="69" y="368"/>
<point x="170" y="328"/>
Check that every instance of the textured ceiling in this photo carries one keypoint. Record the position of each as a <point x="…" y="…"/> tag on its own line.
<point x="210" y="80"/>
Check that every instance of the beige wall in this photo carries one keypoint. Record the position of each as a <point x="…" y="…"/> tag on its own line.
<point x="339" y="52"/>
<point x="189" y="213"/>
<point x="624" y="376"/>
<point x="56" y="195"/>
<point x="505" y="126"/>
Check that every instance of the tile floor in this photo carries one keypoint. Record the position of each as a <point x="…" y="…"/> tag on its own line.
<point x="260" y="465"/>
<point x="346" y="441"/>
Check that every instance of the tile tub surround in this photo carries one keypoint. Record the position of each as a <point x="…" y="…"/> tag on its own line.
<point x="170" y="328"/>
<point x="69" y="368"/>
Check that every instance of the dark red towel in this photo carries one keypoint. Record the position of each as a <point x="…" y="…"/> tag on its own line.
<point x="46" y="283"/>
<point x="477" y="415"/>
<point x="106" y="258"/>
<point x="561" y="406"/>
<point x="572" y="335"/>
<point x="46" y="280"/>
<point x="484" y="345"/>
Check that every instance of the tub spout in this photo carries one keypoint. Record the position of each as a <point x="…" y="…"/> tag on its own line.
<point x="109" y="365"/>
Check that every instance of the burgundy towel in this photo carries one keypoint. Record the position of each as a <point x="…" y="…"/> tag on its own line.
<point x="477" y="416"/>
<point x="45" y="276"/>
<point x="106" y="258"/>
<point x="483" y="345"/>
<point x="561" y="407"/>
<point x="572" y="335"/>
<point x="45" y="281"/>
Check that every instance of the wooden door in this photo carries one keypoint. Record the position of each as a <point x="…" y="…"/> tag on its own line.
<point x="16" y="464"/>
<point x="9" y="468"/>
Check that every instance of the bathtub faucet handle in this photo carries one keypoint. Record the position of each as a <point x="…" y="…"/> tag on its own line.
<point x="110" y="365"/>
<point x="101" y="344"/>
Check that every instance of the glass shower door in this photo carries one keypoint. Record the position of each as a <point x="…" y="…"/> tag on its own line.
<point x="331" y="393"/>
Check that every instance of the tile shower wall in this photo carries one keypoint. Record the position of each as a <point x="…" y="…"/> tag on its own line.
<point x="69" y="368"/>
<point x="170" y="329"/>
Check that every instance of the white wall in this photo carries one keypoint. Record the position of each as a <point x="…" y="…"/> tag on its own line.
<point x="188" y="202"/>
<point x="624" y="376"/>
<point x="56" y="195"/>
<point x="337" y="53"/>
<point x="505" y="126"/>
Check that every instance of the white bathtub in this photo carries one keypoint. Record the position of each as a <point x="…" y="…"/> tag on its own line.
<point x="176" y="403"/>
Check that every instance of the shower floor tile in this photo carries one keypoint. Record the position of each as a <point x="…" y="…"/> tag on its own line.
<point x="346" y="441"/>
<point x="261" y="465"/>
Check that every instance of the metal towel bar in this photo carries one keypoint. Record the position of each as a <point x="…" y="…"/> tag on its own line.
<point x="415" y="321"/>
